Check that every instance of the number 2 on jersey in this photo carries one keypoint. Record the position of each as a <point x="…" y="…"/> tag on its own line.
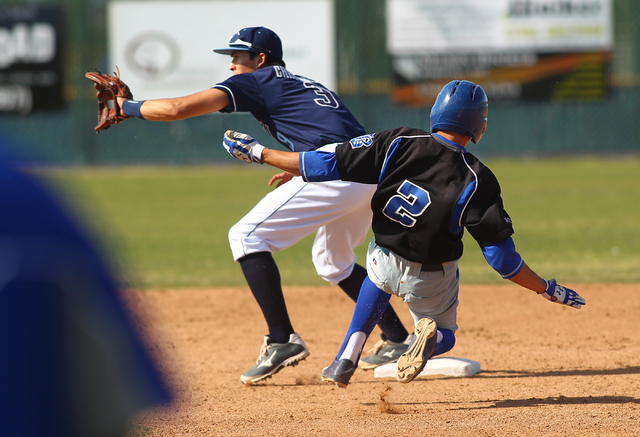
<point x="410" y="202"/>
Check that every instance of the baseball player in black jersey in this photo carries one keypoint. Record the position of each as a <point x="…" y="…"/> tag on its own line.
<point x="429" y="190"/>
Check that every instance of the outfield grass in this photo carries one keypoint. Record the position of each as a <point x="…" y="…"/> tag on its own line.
<point x="576" y="219"/>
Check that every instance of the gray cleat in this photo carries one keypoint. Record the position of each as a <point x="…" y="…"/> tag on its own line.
<point x="273" y="357"/>
<point x="340" y="372"/>
<point x="384" y="352"/>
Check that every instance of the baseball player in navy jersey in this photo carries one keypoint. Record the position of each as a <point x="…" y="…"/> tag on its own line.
<point x="429" y="190"/>
<point x="302" y="115"/>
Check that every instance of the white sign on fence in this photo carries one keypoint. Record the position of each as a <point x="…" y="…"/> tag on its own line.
<point x="165" y="48"/>
<point x="516" y="49"/>
<point x="437" y="26"/>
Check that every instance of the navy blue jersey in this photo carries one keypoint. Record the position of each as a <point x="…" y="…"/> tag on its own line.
<point x="428" y="192"/>
<point x="299" y="113"/>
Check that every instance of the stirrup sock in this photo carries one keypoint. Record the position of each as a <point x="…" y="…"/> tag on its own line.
<point x="371" y="304"/>
<point x="447" y="342"/>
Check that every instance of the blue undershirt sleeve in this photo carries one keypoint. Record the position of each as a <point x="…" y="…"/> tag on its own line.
<point x="503" y="258"/>
<point x="317" y="166"/>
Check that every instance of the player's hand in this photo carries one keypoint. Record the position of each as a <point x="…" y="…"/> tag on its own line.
<point x="562" y="295"/>
<point x="283" y="178"/>
<point x="242" y="146"/>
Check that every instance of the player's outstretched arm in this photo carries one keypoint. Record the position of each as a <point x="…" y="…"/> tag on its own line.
<point x="179" y="108"/>
<point x="245" y="148"/>
<point x="287" y="161"/>
<point x="550" y="290"/>
<point x="504" y="259"/>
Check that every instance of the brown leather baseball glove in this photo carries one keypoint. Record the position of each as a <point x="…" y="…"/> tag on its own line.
<point x="109" y="87"/>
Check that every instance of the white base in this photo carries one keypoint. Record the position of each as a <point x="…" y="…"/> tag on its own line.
<point x="435" y="366"/>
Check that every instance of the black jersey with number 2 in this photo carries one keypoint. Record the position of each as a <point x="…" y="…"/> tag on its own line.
<point x="428" y="192"/>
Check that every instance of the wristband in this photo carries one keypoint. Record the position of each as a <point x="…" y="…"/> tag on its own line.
<point x="131" y="108"/>
<point x="550" y="289"/>
<point x="256" y="152"/>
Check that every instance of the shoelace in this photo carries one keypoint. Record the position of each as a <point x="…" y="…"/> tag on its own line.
<point x="376" y="347"/>
<point x="263" y="350"/>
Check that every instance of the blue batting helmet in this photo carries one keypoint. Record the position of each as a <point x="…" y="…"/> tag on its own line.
<point x="461" y="107"/>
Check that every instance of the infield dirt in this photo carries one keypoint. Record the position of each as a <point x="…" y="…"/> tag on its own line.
<point x="546" y="369"/>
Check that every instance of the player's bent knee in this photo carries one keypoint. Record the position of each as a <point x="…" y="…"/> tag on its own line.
<point x="334" y="268"/>
<point x="243" y="242"/>
<point x="334" y="274"/>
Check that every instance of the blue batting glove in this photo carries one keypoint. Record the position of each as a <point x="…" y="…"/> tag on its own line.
<point x="562" y="295"/>
<point x="242" y="146"/>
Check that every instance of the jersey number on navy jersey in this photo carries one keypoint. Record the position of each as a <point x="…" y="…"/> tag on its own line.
<point x="326" y="97"/>
<point x="410" y="202"/>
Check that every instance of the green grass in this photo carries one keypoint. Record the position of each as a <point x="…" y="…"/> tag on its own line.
<point x="576" y="219"/>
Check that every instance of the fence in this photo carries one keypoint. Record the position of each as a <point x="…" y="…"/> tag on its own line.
<point x="516" y="128"/>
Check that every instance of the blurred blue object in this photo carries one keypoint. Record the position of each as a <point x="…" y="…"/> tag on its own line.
<point x="71" y="363"/>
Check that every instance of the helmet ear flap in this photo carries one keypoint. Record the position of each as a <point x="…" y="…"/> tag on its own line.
<point x="461" y="107"/>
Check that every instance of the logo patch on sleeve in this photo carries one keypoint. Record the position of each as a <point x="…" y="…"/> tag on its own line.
<point x="364" y="140"/>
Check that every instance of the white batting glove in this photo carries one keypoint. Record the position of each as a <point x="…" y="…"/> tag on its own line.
<point x="242" y="146"/>
<point x="562" y="295"/>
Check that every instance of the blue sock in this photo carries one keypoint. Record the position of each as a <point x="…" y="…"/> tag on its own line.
<point x="447" y="343"/>
<point x="389" y="323"/>
<point x="369" y="308"/>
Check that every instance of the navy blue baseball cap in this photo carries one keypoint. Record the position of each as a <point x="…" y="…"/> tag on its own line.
<point x="256" y="40"/>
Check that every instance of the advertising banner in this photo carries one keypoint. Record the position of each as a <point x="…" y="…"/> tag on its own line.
<point x="31" y="64"/>
<point x="165" y="48"/>
<point x="516" y="49"/>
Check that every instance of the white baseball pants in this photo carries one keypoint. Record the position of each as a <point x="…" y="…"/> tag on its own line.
<point x="339" y="211"/>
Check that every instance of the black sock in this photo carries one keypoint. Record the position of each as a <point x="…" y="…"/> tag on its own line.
<point x="391" y="326"/>
<point x="263" y="277"/>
